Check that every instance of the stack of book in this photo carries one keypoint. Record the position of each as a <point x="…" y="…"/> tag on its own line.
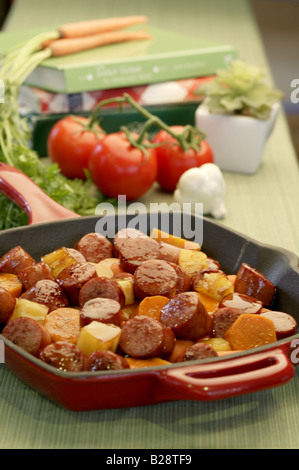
<point x="165" y="70"/>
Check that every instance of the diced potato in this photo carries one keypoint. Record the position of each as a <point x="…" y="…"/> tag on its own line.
<point x="103" y="270"/>
<point x="215" y="285"/>
<point x="11" y="283"/>
<point x="58" y="260"/>
<point x="113" y="264"/>
<point x="165" y="237"/>
<point x="219" y="344"/>
<point x="191" y="261"/>
<point x="98" y="336"/>
<point x="126" y="286"/>
<point x="27" y="308"/>
<point x="129" y="311"/>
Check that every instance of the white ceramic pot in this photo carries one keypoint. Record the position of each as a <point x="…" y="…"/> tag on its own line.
<point x="237" y="141"/>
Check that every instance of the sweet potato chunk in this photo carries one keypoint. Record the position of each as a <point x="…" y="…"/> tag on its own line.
<point x="152" y="306"/>
<point x="250" y="331"/>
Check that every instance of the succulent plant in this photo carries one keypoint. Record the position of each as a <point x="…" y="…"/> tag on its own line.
<point x="241" y="89"/>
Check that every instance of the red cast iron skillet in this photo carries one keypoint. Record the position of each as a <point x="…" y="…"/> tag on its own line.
<point x="212" y="379"/>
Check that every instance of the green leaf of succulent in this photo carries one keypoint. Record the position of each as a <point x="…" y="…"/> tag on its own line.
<point x="241" y="88"/>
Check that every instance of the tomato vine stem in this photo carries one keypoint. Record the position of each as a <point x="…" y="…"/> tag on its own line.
<point x="190" y="138"/>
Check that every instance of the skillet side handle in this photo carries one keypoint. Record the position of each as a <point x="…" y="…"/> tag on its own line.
<point x="227" y="378"/>
<point x="39" y="207"/>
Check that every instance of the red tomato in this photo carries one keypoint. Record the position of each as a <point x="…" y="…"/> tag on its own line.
<point x="173" y="161"/>
<point x="70" y="145"/>
<point x="118" y="168"/>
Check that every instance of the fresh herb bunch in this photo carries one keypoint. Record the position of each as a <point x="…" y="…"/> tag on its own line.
<point x="76" y="195"/>
<point x="241" y="89"/>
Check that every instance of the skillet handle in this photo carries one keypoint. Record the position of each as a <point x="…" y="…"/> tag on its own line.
<point x="229" y="377"/>
<point x="39" y="207"/>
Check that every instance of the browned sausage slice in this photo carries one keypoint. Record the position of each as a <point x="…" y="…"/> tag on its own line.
<point x="169" y="252"/>
<point x="72" y="278"/>
<point x="7" y="304"/>
<point x="64" y="356"/>
<point x="123" y="235"/>
<point x="186" y="315"/>
<point x="243" y="302"/>
<point x="102" y="310"/>
<point x="28" y="334"/>
<point x="94" y="247"/>
<point x="32" y="274"/>
<point x="15" y="260"/>
<point x="105" y="360"/>
<point x="284" y="324"/>
<point x="184" y="280"/>
<point x="223" y="318"/>
<point x="144" y="337"/>
<point x="197" y="351"/>
<point x="251" y="282"/>
<point x="155" y="277"/>
<point x="134" y="251"/>
<point x="48" y="293"/>
<point x="101" y="287"/>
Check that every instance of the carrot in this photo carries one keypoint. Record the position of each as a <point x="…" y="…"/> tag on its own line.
<point x="232" y="278"/>
<point x="87" y="28"/>
<point x="136" y="363"/>
<point x="165" y="237"/>
<point x="11" y="283"/>
<point x="250" y="331"/>
<point x="226" y="353"/>
<point x="63" y="324"/>
<point x="62" y="47"/>
<point x="210" y="304"/>
<point x="179" y="348"/>
<point x="152" y="306"/>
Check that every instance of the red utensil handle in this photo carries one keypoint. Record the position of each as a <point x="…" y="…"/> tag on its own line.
<point x="227" y="378"/>
<point x="39" y="207"/>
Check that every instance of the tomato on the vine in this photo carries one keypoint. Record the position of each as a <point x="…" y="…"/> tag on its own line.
<point x="70" y="144"/>
<point x="173" y="161"/>
<point x="118" y="168"/>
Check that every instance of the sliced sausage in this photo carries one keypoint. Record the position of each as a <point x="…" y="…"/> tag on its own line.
<point x="133" y="251"/>
<point x="28" y="334"/>
<point x="184" y="280"/>
<point x="284" y="324"/>
<point x="64" y="356"/>
<point x="144" y="337"/>
<point x="213" y="265"/>
<point x="251" y="282"/>
<point x="186" y="315"/>
<point x="243" y="302"/>
<point x="32" y="274"/>
<point x="7" y="304"/>
<point x="155" y="277"/>
<point x="123" y="235"/>
<point x="72" y="278"/>
<point x="102" y="310"/>
<point x="101" y="287"/>
<point x="76" y="255"/>
<point x="94" y="247"/>
<point x="223" y="318"/>
<point x="197" y="351"/>
<point x="48" y="293"/>
<point x="105" y="360"/>
<point x="169" y="252"/>
<point x="15" y="260"/>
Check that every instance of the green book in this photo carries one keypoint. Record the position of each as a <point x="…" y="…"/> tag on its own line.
<point x="167" y="56"/>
